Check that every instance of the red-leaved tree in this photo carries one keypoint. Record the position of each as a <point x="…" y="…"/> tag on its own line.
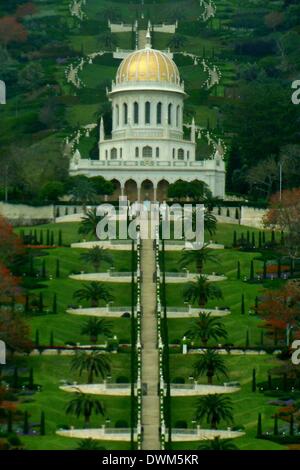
<point x="11" y="31"/>
<point x="27" y="9"/>
<point x="10" y="243"/>
<point x="284" y="213"/>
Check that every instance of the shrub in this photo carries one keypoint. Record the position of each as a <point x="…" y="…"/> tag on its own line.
<point x="122" y="379"/>
<point x="121" y="424"/>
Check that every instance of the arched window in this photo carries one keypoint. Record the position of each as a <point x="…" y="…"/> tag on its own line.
<point x="147" y="152"/>
<point x="125" y="113"/>
<point x="135" y="113"/>
<point x="180" y="154"/>
<point x="177" y="115"/>
<point x="157" y="152"/>
<point x="113" y="154"/>
<point x="147" y="112"/>
<point x="137" y="153"/>
<point x="117" y="115"/>
<point x="170" y="114"/>
<point x="158" y="113"/>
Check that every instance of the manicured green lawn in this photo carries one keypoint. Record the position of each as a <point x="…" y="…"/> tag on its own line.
<point x="246" y="404"/>
<point x="48" y="372"/>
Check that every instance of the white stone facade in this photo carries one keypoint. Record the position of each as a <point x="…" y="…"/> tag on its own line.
<point x="147" y="149"/>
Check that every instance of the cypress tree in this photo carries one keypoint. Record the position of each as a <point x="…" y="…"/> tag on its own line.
<point x="44" y="275"/>
<point x="273" y="239"/>
<point x="259" y="426"/>
<point x="42" y="424"/>
<point x="259" y="240"/>
<point x="279" y="268"/>
<point x="254" y="380"/>
<point x="253" y="240"/>
<point x="31" y="266"/>
<point x="269" y="381"/>
<point x="15" y="379"/>
<point x="284" y="382"/>
<point x="265" y="269"/>
<point x="51" y="339"/>
<point x="27" y="303"/>
<point x="264" y="238"/>
<point x="54" y="305"/>
<point x="248" y="237"/>
<point x="57" y="270"/>
<point x="252" y="270"/>
<point x="35" y="238"/>
<point x="25" y="423"/>
<point x="37" y="338"/>
<point x="41" y="302"/>
<point x="234" y="244"/>
<point x="292" y="425"/>
<point x="60" y="238"/>
<point x="238" y="274"/>
<point x="243" y="305"/>
<point x="243" y="239"/>
<point x="31" y="379"/>
<point x="9" y="422"/>
<point x="276" y="425"/>
<point x="237" y="215"/>
<point x="292" y="266"/>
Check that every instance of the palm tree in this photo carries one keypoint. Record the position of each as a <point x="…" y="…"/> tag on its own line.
<point x="214" y="408"/>
<point x="96" y="256"/>
<point x="95" y="327"/>
<point x="210" y="363"/>
<point x="218" y="444"/>
<point x="89" y="444"/>
<point x="206" y="327"/>
<point x="88" y="224"/>
<point x="95" y="364"/>
<point x="85" y="405"/>
<point x="197" y="257"/>
<point x="210" y="220"/>
<point x="201" y="290"/>
<point x="93" y="292"/>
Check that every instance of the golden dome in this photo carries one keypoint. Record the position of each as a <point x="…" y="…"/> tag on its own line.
<point x="148" y="65"/>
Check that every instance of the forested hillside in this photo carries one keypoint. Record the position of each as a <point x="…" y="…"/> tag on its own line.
<point x="254" y="44"/>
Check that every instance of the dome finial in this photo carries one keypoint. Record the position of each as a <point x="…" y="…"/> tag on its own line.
<point x="148" y="37"/>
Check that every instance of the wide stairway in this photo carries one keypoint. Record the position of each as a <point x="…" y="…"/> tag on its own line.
<point x="150" y="358"/>
<point x="142" y="38"/>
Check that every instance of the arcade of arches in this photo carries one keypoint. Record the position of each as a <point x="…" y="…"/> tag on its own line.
<point x="136" y="191"/>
